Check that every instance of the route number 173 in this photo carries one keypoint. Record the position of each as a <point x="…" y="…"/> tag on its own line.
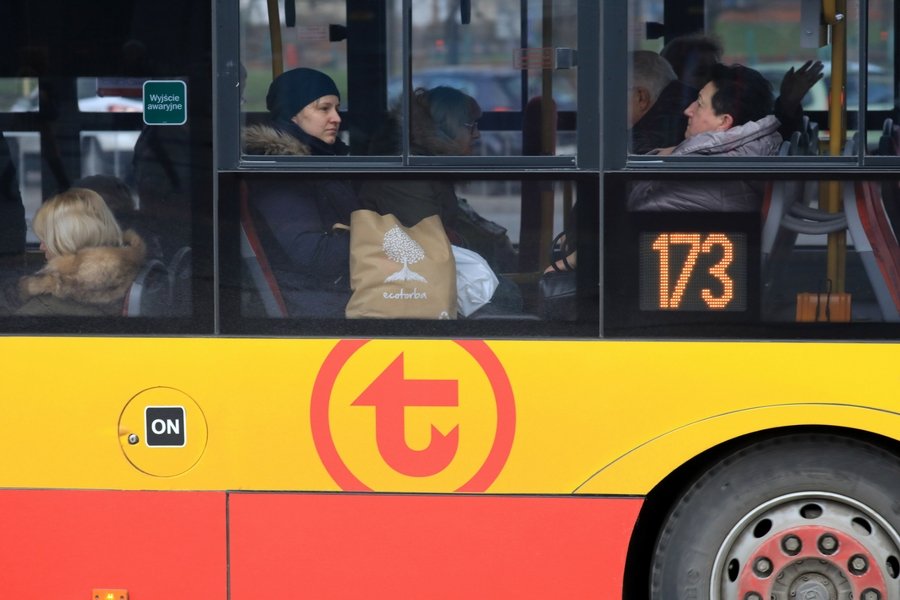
<point x="690" y="271"/>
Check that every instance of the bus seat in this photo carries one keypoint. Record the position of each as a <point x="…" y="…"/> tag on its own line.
<point x="887" y="141"/>
<point x="180" y="281"/>
<point x="257" y="265"/>
<point x="812" y="136"/>
<point x="787" y="212"/>
<point x="875" y="243"/>
<point x="148" y="295"/>
<point x="797" y="144"/>
<point x="773" y="206"/>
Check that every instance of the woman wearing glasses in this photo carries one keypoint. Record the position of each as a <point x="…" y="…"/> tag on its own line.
<point x="444" y="122"/>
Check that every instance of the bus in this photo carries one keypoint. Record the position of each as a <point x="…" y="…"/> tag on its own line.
<point x="697" y="402"/>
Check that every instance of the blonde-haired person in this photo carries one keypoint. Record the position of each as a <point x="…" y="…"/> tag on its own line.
<point x="90" y="262"/>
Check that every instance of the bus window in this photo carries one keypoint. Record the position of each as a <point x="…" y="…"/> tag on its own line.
<point x="521" y="79"/>
<point x="761" y="263"/>
<point x="112" y="156"/>
<point x="767" y="37"/>
<point x="301" y="267"/>
<point x="883" y="93"/>
<point x="351" y="44"/>
<point x="505" y="58"/>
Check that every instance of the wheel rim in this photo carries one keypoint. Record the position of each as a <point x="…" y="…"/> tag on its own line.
<point x="809" y="546"/>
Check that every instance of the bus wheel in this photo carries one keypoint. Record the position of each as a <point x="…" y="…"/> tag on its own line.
<point x="802" y="517"/>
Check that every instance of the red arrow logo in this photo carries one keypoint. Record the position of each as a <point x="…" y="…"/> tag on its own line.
<point x="390" y="394"/>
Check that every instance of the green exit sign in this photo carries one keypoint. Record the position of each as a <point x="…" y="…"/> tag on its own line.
<point x="165" y="103"/>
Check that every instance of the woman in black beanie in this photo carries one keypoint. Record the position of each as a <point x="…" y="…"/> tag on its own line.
<point x="303" y="224"/>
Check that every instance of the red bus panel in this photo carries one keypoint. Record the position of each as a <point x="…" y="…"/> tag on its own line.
<point x="64" y="544"/>
<point x="427" y="546"/>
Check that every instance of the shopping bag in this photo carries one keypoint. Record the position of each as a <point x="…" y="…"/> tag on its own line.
<point x="399" y="272"/>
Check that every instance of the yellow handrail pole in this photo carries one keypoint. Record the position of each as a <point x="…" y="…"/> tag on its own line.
<point x="835" y="12"/>
<point x="275" y="34"/>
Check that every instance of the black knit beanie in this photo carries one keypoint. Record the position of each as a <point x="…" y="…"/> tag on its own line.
<point x="293" y="90"/>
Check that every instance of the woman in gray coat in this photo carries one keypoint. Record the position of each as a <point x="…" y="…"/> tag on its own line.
<point x="732" y="116"/>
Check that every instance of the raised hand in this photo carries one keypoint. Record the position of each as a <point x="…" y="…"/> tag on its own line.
<point x="797" y="83"/>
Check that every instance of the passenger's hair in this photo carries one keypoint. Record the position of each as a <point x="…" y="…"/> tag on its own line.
<point x="449" y="108"/>
<point x="693" y="57"/>
<point x="741" y="92"/>
<point x="75" y="219"/>
<point x="651" y="72"/>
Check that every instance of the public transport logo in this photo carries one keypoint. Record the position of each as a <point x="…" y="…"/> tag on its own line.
<point x="410" y="416"/>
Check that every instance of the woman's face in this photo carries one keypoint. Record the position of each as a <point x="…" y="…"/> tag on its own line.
<point x="702" y="116"/>
<point x="467" y="136"/>
<point x="320" y="119"/>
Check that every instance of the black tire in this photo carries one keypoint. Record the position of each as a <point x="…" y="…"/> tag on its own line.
<point x="734" y="534"/>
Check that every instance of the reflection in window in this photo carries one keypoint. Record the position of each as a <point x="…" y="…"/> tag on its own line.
<point x="18" y="94"/>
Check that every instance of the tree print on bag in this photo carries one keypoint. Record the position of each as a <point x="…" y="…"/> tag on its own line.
<point x="401" y="248"/>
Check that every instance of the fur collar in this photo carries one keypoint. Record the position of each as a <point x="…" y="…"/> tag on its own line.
<point x="98" y="275"/>
<point x="265" y="139"/>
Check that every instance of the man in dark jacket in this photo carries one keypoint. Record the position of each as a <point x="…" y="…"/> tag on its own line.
<point x="656" y="104"/>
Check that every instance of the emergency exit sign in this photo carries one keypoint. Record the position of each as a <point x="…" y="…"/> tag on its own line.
<point x="165" y="102"/>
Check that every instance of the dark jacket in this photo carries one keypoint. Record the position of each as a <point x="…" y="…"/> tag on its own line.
<point x="664" y="124"/>
<point x="756" y="138"/>
<point x="310" y="258"/>
<point x="12" y="212"/>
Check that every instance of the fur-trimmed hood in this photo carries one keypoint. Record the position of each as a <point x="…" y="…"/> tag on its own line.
<point x="96" y="275"/>
<point x="265" y="139"/>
